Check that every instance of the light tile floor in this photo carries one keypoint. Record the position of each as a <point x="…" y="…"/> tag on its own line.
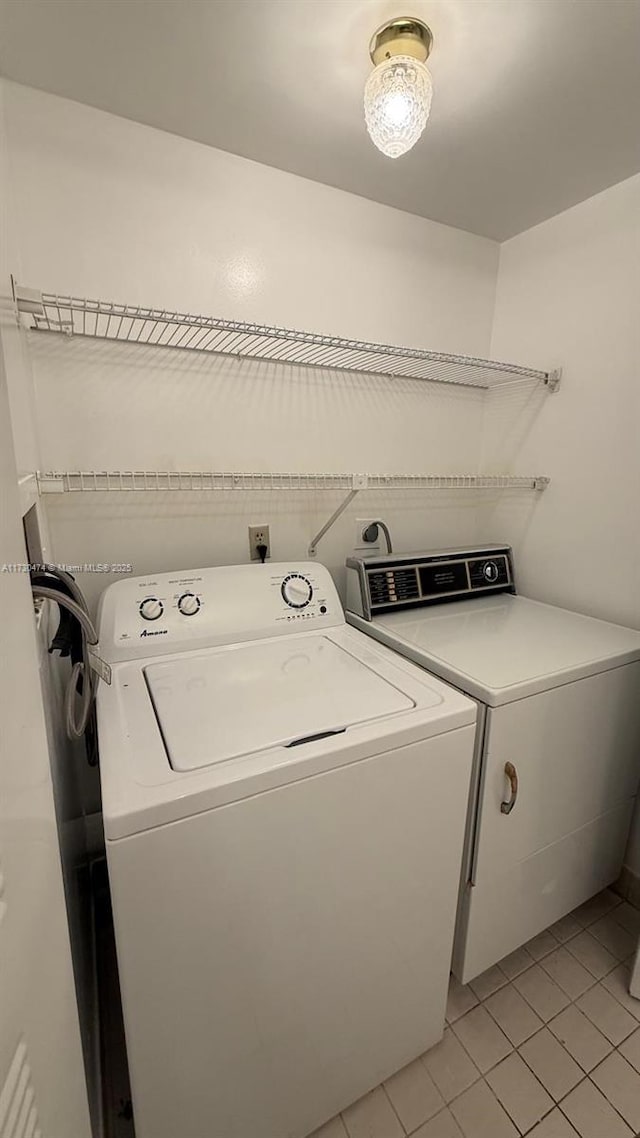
<point x="546" y="1043"/>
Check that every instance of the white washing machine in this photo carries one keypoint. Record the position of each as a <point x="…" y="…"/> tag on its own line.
<point x="556" y="767"/>
<point x="284" y="809"/>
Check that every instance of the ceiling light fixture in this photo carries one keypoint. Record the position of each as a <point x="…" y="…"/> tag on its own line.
<point x="397" y="95"/>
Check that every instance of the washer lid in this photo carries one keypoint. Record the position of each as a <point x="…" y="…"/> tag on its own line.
<point x="238" y="701"/>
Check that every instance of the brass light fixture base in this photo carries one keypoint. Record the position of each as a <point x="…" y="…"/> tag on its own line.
<point x="403" y="36"/>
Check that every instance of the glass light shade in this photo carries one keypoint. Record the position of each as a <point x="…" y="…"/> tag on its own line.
<point x="397" y="101"/>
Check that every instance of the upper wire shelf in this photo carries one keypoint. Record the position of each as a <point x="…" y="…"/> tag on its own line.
<point x="50" y="312"/>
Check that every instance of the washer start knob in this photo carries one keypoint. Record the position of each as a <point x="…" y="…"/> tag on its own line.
<point x="151" y="608"/>
<point x="188" y="604"/>
<point x="490" y="572"/>
<point x="296" y="590"/>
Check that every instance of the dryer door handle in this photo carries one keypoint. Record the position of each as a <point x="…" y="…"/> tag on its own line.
<point x="512" y="774"/>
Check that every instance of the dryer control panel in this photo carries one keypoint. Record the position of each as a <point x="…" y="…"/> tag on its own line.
<point x="380" y="584"/>
<point x="173" y="612"/>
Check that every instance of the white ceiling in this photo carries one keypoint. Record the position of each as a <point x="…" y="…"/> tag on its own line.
<point x="535" y="101"/>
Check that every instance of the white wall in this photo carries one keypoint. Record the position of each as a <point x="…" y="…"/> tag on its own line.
<point x="75" y="787"/>
<point x="112" y="209"/>
<point x="568" y="291"/>
<point x="36" y="979"/>
<point x="111" y="206"/>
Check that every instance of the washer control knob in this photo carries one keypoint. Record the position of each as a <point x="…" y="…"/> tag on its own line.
<point x="151" y="608"/>
<point x="188" y="604"/>
<point x="490" y="572"/>
<point x="296" y="590"/>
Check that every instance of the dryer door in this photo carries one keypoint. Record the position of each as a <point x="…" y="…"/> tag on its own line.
<point x="575" y="753"/>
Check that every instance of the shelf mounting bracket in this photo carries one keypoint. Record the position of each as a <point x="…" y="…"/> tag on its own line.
<point x="27" y="299"/>
<point x="552" y="382"/>
<point x="49" y="483"/>
<point x="30" y="302"/>
<point x="359" y="482"/>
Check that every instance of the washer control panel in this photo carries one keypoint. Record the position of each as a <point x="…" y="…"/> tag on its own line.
<point x="376" y="585"/>
<point x="170" y="612"/>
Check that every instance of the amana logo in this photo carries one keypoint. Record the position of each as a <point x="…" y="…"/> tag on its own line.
<point x="154" y="631"/>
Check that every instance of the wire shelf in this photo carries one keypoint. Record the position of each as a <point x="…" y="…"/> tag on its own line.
<point x="50" y="312"/>
<point x="135" y="481"/>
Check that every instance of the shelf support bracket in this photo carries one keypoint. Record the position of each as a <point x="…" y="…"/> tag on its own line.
<point x="552" y="382"/>
<point x="359" y="482"/>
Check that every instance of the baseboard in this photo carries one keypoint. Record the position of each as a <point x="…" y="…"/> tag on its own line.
<point x="628" y="886"/>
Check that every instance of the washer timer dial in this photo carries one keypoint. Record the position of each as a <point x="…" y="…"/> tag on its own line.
<point x="296" y="590"/>
<point x="151" y="608"/>
<point x="490" y="572"/>
<point x="188" y="604"/>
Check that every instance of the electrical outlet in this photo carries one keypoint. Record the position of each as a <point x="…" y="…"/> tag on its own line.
<point x="259" y="535"/>
<point x="363" y="548"/>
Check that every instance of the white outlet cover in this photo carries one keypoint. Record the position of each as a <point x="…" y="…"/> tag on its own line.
<point x="366" y="548"/>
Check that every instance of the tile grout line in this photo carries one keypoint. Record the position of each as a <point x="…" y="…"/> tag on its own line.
<point x="563" y="1112"/>
<point x="596" y="981"/>
<point x="483" y="1079"/>
<point x="480" y="1076"/>
<point x="611" y="1104"/>
<point x="478" y="1079"/>
<point x="556" y="1104"/>
<point x="546" y="1114"/>
<point x="568" y="1053"/>
<point x="545" y="1024"/>
<point x="542" y="1117"/>
<point x="607" y="1100"/>
<point x="390" y="1101"/>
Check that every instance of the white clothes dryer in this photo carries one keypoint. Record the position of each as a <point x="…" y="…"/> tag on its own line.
<point x="556" y="767"/>
<point x="284" y="809"/>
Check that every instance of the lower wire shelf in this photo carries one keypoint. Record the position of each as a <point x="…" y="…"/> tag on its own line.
<point x="135" y="481"/>
<point x="80" y="481"/>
